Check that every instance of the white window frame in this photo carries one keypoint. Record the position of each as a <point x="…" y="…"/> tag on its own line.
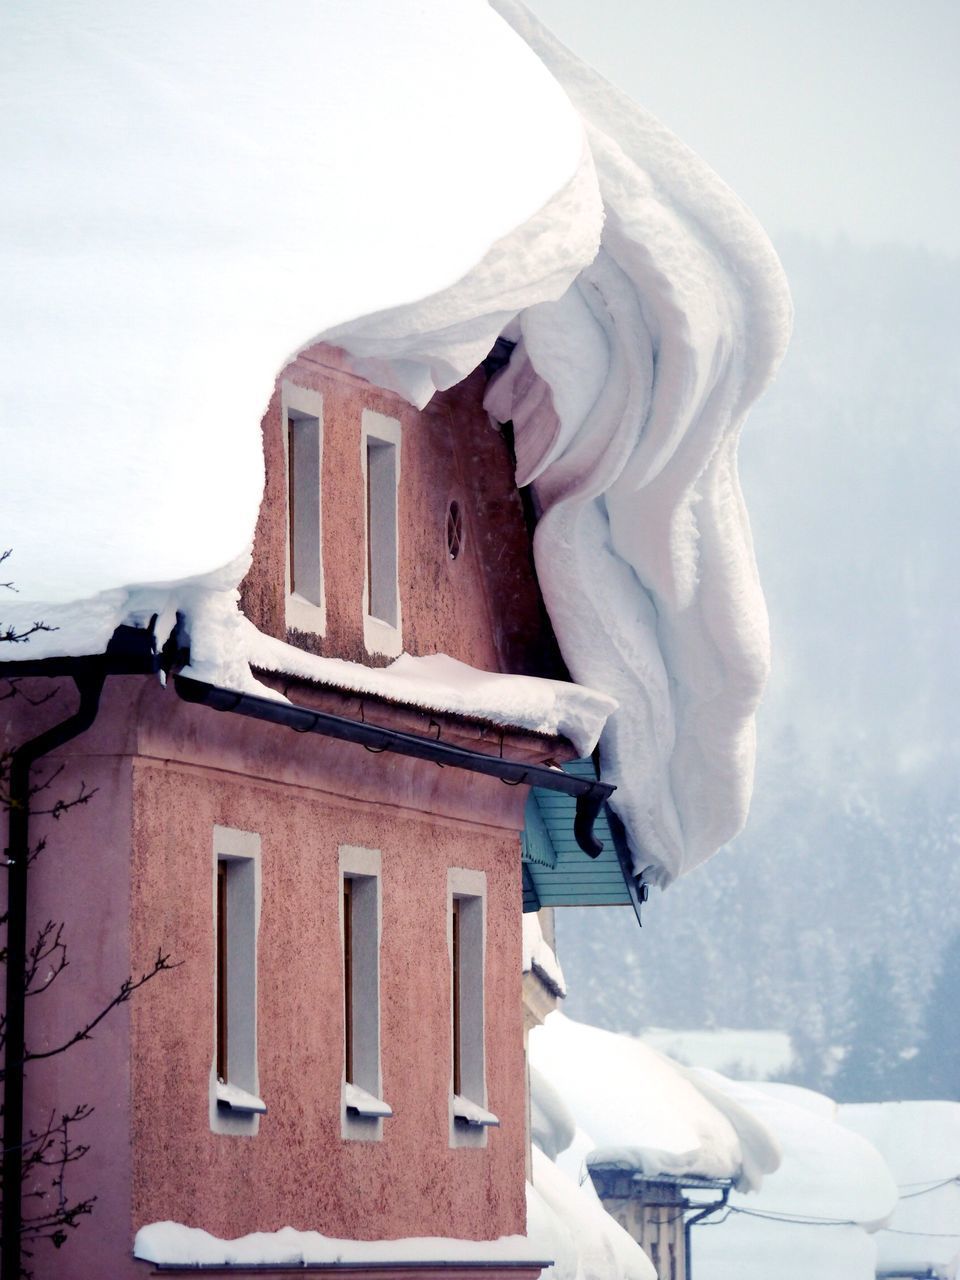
<point x="306" y="607"/>
<point x="380" y="443"/>
<point x="235" y="1105"/>
<point x="469" y="1117"/>
<point x="362" y="1107"/>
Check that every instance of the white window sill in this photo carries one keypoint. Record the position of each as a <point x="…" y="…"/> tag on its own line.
<point x="304" y="615"/>
<point x="238" y="1100"/>
<point x="382" y="637"/>
<point x="365" y="1104"/>
<point x="470" y="1113"/>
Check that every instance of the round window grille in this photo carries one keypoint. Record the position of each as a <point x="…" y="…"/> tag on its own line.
<point x="454" y="529"/>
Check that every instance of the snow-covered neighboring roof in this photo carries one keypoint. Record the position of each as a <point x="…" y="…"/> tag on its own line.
<point x="921" y="1143"/>
<point x="643" y="1111"/>
<point x="814" y="1216"/>
<point x="175" y="232"/>
<point x="809" y="1194"/>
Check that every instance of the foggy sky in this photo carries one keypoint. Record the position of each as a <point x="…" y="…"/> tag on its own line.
<point x="828" y="117"/>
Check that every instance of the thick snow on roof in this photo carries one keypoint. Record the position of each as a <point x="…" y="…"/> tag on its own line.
<point x="180" y="223"/>
<point x="200" y="190"/>
<point x="921" y="1143"/>
<point x="437" y="682"/>
<point x="813" y="1215"/>
<point x="643" y="1111"/>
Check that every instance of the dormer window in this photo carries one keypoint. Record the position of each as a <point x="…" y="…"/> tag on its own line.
<point x="303" y="448"/>
<point x="380" y="458"/>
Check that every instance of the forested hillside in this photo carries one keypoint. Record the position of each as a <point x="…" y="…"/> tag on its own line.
<point x="829" y="917"/>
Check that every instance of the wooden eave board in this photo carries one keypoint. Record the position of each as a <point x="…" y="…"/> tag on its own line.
<point x="562" y="875"/>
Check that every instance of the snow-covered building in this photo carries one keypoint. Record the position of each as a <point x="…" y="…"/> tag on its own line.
<point x="659" y="1147"/>
<point x="730" y="1181"/>
<point x="489" y="521"/>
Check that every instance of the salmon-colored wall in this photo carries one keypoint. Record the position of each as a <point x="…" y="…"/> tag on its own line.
<point x="299" y="1171"/>
<point x="132" y="871"/>
<point x="484" y="607"/>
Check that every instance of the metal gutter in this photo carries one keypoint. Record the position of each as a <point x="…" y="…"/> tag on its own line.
<point x="131" y="651"/>
<point x="440" y="1266"/>
<point x="590" y="794"/>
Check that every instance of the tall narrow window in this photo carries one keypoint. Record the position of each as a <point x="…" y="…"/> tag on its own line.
<point x="381" y="468"/>
<point x="222" y="980"/>
<point x="455" y="987"/>
<point x="363" y="1106"/>
<point x="467" y="923"/>
<point x="303" y="448"/>
<point x="348" y="979"/>
<point x="235" y="1104"/>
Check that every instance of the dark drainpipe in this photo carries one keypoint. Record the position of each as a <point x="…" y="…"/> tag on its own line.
<point x="131" y="651"/>
<point x="692" y="1221"/>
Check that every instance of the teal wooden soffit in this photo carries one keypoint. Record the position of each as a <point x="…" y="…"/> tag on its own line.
<point x="556" y="871"/>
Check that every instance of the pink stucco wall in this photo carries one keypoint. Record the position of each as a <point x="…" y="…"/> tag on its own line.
<point x="132" y="872"/>
<point x="483" y="608"/>
<point x="298" y="1170"/>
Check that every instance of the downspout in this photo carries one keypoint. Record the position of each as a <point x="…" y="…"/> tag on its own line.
<point x="90" y="686"/>
<point x="689" y="1222"/>
<point x="131" y="651"/>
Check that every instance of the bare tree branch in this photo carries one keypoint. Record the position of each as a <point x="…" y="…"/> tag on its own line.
<point x="125" y="991"/>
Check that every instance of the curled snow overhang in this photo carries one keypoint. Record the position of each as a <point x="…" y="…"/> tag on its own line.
<point x="644" y="1113"/>
<point x="181" y="227"/>
<point x="627" y="391"/>
<point x="627" y="397"/>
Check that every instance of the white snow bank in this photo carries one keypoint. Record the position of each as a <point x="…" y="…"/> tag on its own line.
<point x="921" y="1143"/>
<point x="627" y="397"/>
<point x="539" y="956"/>
<point x="642" y="1111"/>
<point x="754" y="1055"/>
<point x="813" y="1215"/>
<point x="601" y="1248"/>
<point x="565" y="1227"/>
<point x="172" y="1243"/>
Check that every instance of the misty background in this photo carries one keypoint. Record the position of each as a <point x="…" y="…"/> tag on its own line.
<point x="833" y="916"/>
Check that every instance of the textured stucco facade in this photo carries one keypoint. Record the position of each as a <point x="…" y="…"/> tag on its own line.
<point x="133" y="871"/>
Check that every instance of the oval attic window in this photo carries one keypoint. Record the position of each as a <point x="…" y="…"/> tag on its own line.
<point x="454" y="529"/>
